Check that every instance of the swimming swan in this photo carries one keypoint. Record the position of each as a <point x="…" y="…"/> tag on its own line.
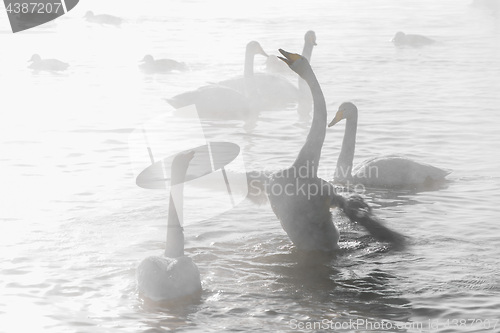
<point x="275" y="65"/>
<point x="50" y="65"/>
<point x="390" y="171"/>
<point x="220" y="101"/>
<point x="300" y="199"/>
<point x="402" y="39"/>
<point x="150" y="65"/>
<point x="174" y="275"/>
<point x="270" y="91"/>
<point x="102" y="18"/>
<point x="305" y="98"/>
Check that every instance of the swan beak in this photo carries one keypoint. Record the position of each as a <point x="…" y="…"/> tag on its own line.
<point x="262" y="52"/>
<point x="289" y="58"/>
<point x="338" y="117"/>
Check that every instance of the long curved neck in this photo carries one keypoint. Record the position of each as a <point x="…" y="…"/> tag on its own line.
<point x="304" y="105"/>
<point x="310" y="153"/>
<point x="175" y="234"/>
<point x="343" y="170"/>
<point x="307" y="50"/>
<point x="250" y="87"/>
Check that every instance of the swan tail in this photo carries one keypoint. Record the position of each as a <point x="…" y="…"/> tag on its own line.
<point x="357" y="210"/>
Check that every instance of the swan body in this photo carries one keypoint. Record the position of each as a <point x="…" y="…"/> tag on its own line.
<point x="214" y="101"/>
<point x="272" y="91"/>
<point x="151" y="65"/>
<point x="222" y="101"/>
<point x="389" y="171"/>
<point x="402" y="39"/>
<point x="51" y="65"/>
<point x="102" y="18"/>
<point x="162" y="279"/>
<point x="174" y="275"/>
<point x="394" y="171"/>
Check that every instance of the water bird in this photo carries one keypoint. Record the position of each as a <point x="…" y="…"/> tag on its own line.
<point x="388" y="171"/>
<point x="300" y="199"/>
<point x="275" y="65"/>
<point x="269" y="91"/>
<point x="224" y="102"/>
<point x="150" y="65"/>
<point x="174" y="275"/>
<point x="402" y="39"/>
<point x="102" y="18"/>
<point x="50" y="65"/>
<point x="305" y="98"/>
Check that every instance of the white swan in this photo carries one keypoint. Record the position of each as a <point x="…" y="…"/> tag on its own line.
<point x="51" y="65"/>
<point x="391" y="171"/>
<point x="300" y="199"/>
<point x="305" y="98"/>
<point x="219" y="101"/>
<point x="402" y="39"/>
<point x="102" y="18"/>
<point x="174" y="275"/>
<point x="275" y="65"/>
<point x="269" y="90"/>
<point x="150" y="65"/>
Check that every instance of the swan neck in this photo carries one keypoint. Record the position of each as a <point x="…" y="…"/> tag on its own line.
<point x="307" y="51"/>
<point x="343" y="170"/>
<point x="175" y="235"/>
<point x="249" y="57"/>
<point x="304" y="103"/>
<point x="310" y="153"/>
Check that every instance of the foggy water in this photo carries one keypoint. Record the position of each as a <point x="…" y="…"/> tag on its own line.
<point x="74" y="225"/>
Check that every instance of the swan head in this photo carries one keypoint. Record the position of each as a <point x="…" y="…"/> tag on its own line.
<point x="296" y="62"/>
<point x="181" y="163"/>
<point x="89" y="14"/>
<point x="254" y="48"/>
<point x="35" y="58"/>
<point x="399" y="37"/>
<point x="310" y="37"/>
<point x="148" y="58"/>
<point x="347" y="110"/>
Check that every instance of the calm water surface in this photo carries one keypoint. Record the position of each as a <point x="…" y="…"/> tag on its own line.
<point x="74" y="226"/>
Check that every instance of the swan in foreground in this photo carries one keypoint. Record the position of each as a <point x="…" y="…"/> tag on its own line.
<point x="102" y="18"/>
<point x="390" y="171"/>
<point x="220" y="101"/>
<point x="402" y="39"/>
<point x="300" y="199"/>
<point x="150" y="65"/>
<point x="174" y="275"/>
<point x="50" y="65"/>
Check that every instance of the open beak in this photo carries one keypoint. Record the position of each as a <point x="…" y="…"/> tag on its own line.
<point x="289" y="58"/>
<point x="338" y="117"/>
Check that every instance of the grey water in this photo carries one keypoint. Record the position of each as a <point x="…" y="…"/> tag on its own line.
<point x="74" y="224"/>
